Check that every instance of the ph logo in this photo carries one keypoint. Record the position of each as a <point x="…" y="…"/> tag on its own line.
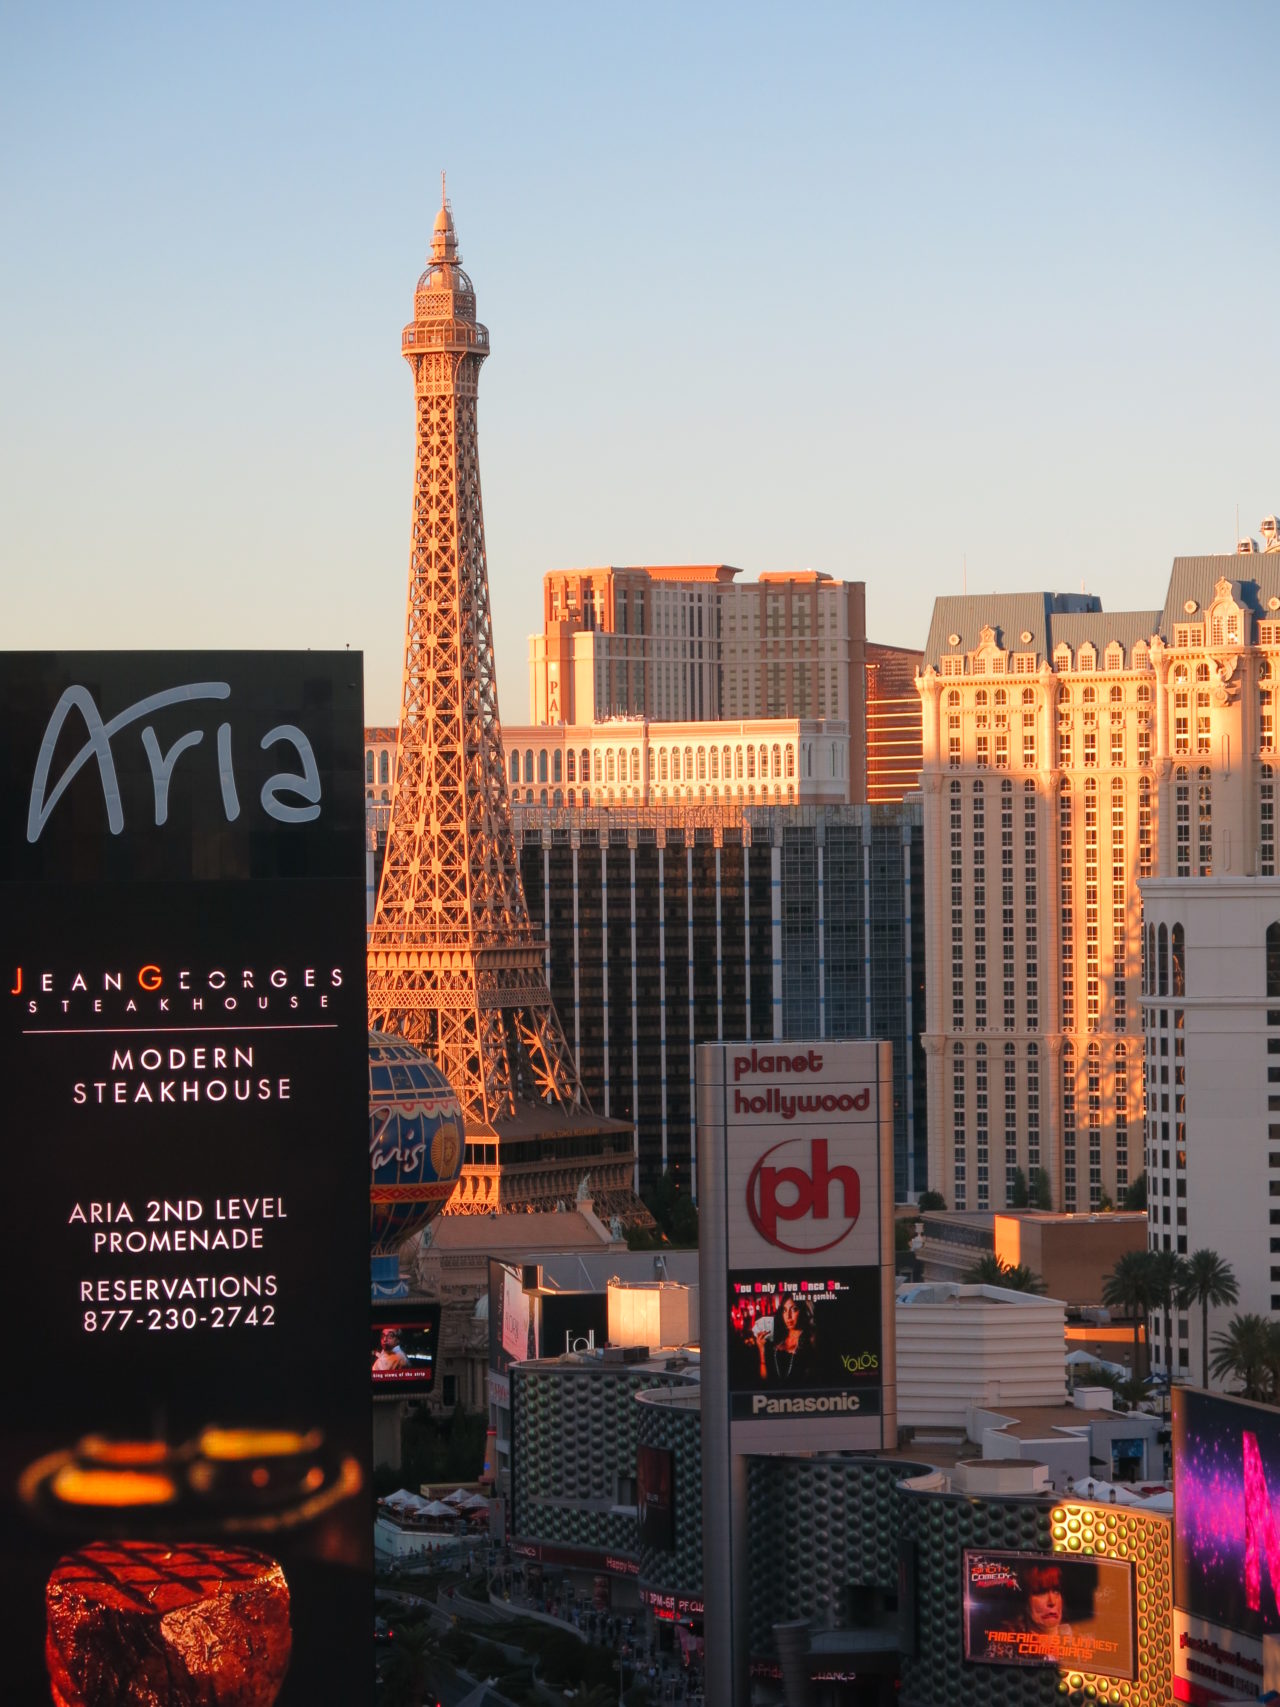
<point x="809" y="1197"/>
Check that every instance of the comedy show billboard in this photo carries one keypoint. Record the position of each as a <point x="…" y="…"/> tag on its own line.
<point x="1226" y="1552"/>
<point x="1065" y="1610"/>
<point x="183" y="1050"/>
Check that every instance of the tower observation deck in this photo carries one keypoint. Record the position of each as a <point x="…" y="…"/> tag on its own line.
<point x="455" y="965"/>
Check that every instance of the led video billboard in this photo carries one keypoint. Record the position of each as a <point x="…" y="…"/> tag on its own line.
<point x="403" y="1346"/>
<point x="804" y="1344"/>
<point x="183" y="1049"/>
<point x="1226" y="1550"/>
<point x="1066" y="1610"/>
<point x="655" y="1497"/>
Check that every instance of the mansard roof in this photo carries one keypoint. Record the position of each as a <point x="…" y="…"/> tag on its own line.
<point x="1100" y="628"/>
<point x="1011" y="615"/>
<point x="1254" y="578"/>
<point x="1049" y="618"/>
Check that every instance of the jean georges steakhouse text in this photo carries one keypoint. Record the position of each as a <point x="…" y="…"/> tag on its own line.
<point x="154" y="991"/>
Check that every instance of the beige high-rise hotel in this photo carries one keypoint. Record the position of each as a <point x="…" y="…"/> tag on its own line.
<point x="1068" y="753"/>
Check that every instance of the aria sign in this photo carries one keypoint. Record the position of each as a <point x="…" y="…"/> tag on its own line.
<point x="97" y="745"/>
<point x="807" y="1198"/>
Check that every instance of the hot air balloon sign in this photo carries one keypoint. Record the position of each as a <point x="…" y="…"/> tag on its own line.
<point x="415" y="1151"/>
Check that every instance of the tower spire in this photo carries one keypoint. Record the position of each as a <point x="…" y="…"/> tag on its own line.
<point x="454" y="962"/>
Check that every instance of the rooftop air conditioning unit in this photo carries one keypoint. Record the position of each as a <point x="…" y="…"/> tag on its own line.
<point x="1246" y="547"/>
<point x="626" y="1354"/>
<point x="1269" y="528"/>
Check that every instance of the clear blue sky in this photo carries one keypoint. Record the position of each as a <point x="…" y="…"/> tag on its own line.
<point x="864" y="289"/>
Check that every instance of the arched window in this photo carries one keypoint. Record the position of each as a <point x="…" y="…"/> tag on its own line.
<point x="702" y="765"/>
<point x="751" y="766"/>
<point x="662" y="764"/>
<point x="715" y="766"/>
<point x="384" y="766"/>
<point x="635" y="765"/>
<point x="980" y="699"/>
<point x="609" y="775"/>
<point x="586" y="797"/>
<point x="543" y="797"/>
<point x="1028" y="696"/>
<point x="1000" y="697"/>
<point x="726" y="759"/>
<point x="1162" y="961"/>
<point x="515" y="767"/>
<point x="542" y="764"/>
<point x="368" y="766"/>
<point x="791" y="762"/>
<point x="528" y="764"/>
<point x="557" y="766"/>
<point x="953" y="700"/>
<point x="571" y="765"/>
<point x="584" y="766"/>
<point x="737" y="764"/>
<point x="599" y="766"/>
<point x="1149" y="960"/>
<point x="557" y="799"/>
<point x="1178" y="943"/>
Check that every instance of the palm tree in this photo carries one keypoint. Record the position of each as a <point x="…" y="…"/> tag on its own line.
<point x="1128" y="1289"/>
<point x="1208" y="1279"/>
<point x="406" y="1675"/>
<point x="1249" y="1350"/>
<point x="1167" y="1271"/>
<point x="1017" y="1277"/>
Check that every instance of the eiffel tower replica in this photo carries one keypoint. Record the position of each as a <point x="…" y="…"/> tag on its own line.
<point x="455" y="966"/>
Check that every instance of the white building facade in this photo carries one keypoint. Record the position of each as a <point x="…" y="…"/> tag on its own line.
<point x="1211" y="1001"/>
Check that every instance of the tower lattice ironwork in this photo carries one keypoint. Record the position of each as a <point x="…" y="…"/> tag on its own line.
<point x="454" y="962"/>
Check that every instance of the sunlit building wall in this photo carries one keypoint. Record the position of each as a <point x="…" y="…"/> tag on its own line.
<point x="1069" y="753"/>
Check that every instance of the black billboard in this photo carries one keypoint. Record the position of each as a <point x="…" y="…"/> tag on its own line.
<point x="183" y="1050"/>
<point x="1068" y="1610"/>
<point x="655" y="1497"/>
<point x="804" y="1344"/>
<point x="573" y="1322"/>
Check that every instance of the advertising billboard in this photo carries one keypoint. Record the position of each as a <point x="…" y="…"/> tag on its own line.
<point x="573" y="1321"/>
<point x="183" y="1049"/>
<point x="513" y="1322"/>
<point x="1226" y="1548"/>
<point x="795" y="1273"/>
<point x="1049" y="1609"/>
<point x="403" y="1343"/>
<point x="804" y="1344"/>
<point x="655" y="1497"/>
